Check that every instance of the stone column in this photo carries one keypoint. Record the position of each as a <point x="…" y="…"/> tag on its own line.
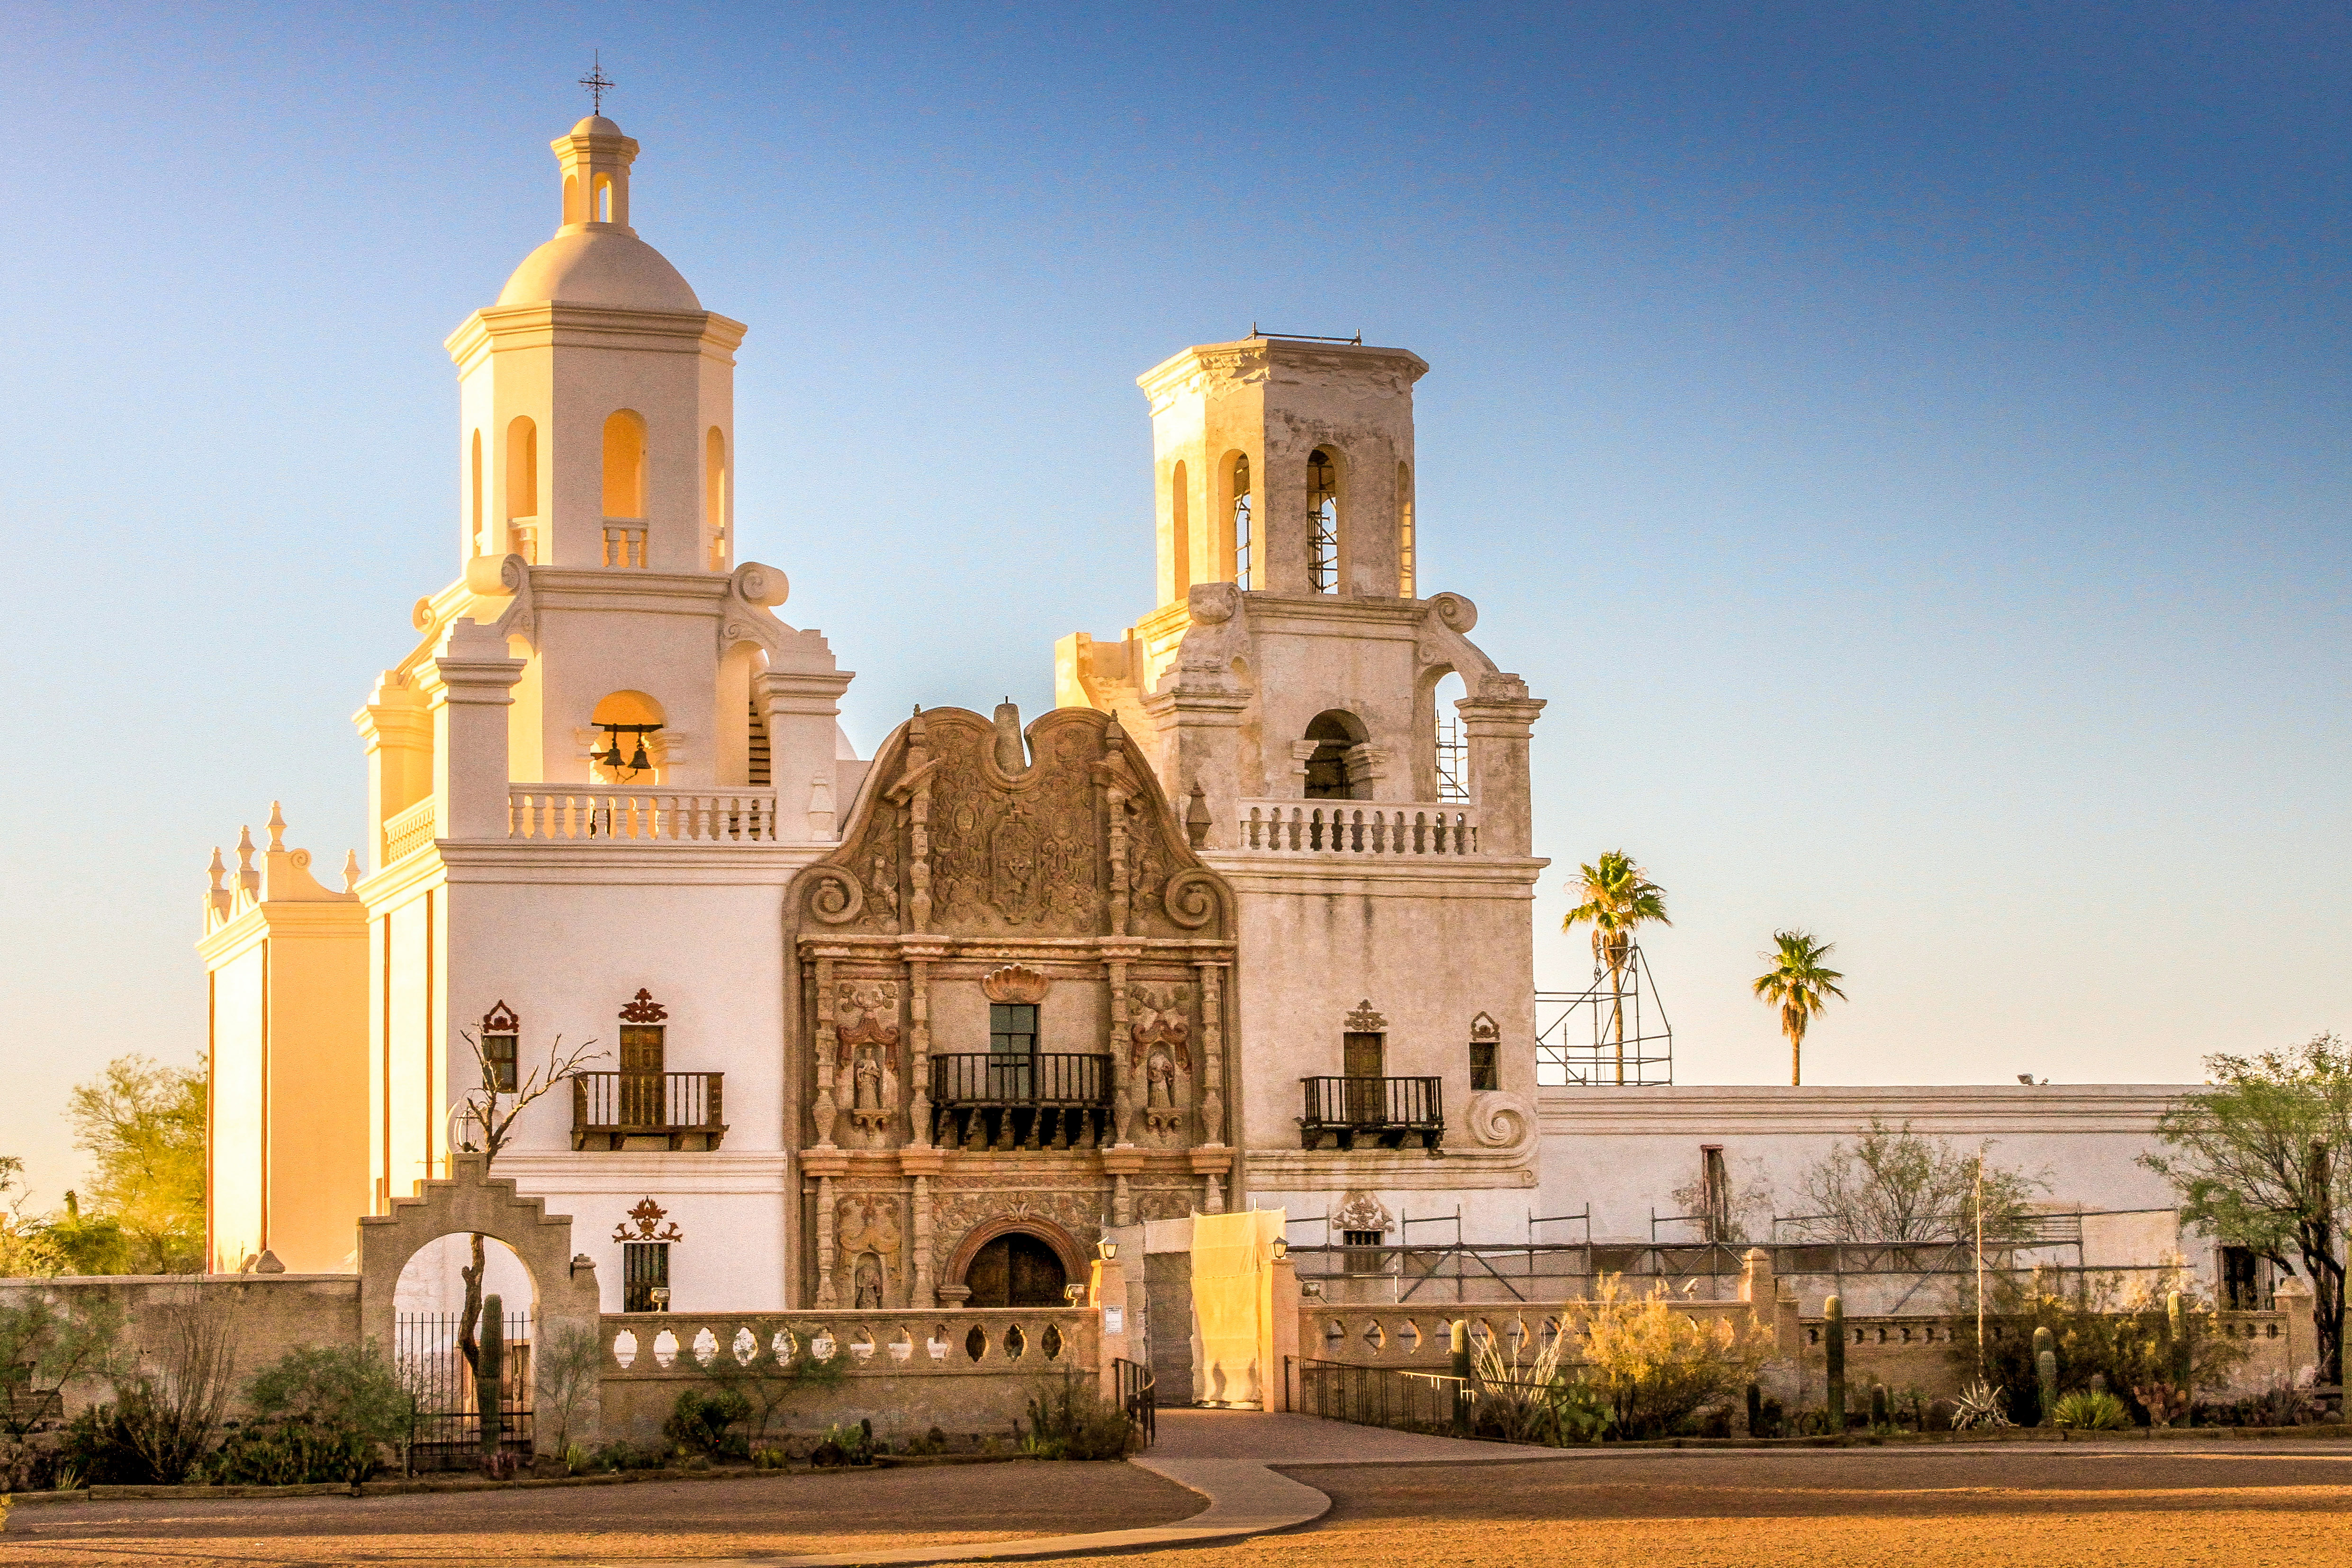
<point x="1497" y="720"/>
<point x="824" y="1243"/>
<point x="1122" y="1075"/>
<point x="827" y="1046"/>
<point x="924" y="1300"/>
<point x="918" y="1048"/>
<point x="1212" y="1054"/>
<point x="470" y="683"/>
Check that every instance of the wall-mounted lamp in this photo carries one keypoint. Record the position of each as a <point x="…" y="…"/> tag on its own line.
<point x="660" y="1295"/>
<point x="1108" y="1248"/>
<point x="1281" y="1249"/>
<point x="1074" y="1294"/>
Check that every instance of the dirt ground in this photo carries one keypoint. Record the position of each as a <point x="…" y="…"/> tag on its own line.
<point x="768" y="1514"/>
<point x="2019" y="1507"/>
<point x="2079" y="1505"/>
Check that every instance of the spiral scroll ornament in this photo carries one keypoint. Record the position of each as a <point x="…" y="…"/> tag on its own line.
<point x="834" y="897"/>
<point x="1191" y="899"/>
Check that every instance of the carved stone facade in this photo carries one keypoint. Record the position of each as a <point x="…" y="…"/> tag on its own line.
<point x="1013" y="983"/>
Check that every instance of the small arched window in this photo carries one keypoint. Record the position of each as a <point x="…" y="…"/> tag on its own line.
<point x="1180" y="518"/>
<point x="714" y="496"/>
<point x="523" y="489"/>
<point x="1322" y="521"/>
<point x="1243" y="541"/>
<point x="474" y="527"/>
<point x="571" y="212"/>
<point x="604" y="198"/>
<point x="1404" y="532"/>
<point x="626" y="751"/>
<point x="625" y="489"/>
<point x="1337" y="770"/>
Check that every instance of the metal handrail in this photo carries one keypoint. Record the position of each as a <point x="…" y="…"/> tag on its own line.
<point x="1139" y="1397"/>
<point x="1003" y="1078"/>
<point x="647" y="1104"/>
<point x="1404" y="1104"/>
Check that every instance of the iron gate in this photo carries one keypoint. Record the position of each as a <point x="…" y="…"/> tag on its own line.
<point x="447" y="1434"/>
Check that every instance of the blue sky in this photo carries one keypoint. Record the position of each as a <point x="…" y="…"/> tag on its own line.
<point x="1906" y="445"/>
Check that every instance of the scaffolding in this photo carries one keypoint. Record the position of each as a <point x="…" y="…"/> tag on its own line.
<point x="1612" y="1032"/>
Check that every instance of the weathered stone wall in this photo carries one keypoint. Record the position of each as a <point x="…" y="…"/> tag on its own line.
<point x="964" y="1372"/>
<point x="268" y="1315"/>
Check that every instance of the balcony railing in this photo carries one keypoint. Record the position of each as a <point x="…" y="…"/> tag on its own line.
<point x="613" y="813"/>
<point x="685" y="1109"/>
<point x="1376" y="1112"/>
<point x="998" y="1101"/>
<point x="409" y="831"/>
<point x="1354" y="827"/>
<point x="625" y="542"/>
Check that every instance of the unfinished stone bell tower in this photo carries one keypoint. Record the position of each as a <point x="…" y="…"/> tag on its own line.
<point x="1286" y="688"/>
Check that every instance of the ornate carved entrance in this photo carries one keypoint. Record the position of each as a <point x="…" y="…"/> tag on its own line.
<point x="1016" y="1270"/>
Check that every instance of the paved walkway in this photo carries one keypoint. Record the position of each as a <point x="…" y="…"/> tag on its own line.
<point x="1225" y="1457"/>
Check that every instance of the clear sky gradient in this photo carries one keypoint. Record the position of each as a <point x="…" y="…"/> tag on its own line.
<point x="1907" y="445"/>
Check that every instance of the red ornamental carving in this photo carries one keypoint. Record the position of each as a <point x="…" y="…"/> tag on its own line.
<point x="644" y="1009"/>
<point x="649" y="1217"/>
<point x="502" y="1020"/>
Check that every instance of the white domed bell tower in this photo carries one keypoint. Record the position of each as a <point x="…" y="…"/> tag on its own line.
<point x="598" y="395"/>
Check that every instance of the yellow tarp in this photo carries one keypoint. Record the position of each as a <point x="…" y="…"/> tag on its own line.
<point x="1232" y="1303"/>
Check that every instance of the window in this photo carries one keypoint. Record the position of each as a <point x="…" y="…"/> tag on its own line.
<point x="1404" y="532"/>
<point x="499" y="1053"/>
<point x="645" y="1276"/>
<point x="603" y="199"/>
<point x="1363" y="1251"/>
<point x="522" y="482"/>
<point x="1322" y="521"/>
<point x="624" y="465"/>
<point x="1485" y="1070"/>
<point x="1714" y="1193"/>
<point x="1244" y="543"/>
<point x="1013" y="1049"/>
<point x="2242" y="1288"/>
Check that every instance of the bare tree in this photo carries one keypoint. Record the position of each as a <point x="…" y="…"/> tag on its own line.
<point x="1894" y="1184"/>
<point x="491" y="1110"/>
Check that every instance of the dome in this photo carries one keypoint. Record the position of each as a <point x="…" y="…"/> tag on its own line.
<point x="595" y="125"/>
<point x="598" y="267"/>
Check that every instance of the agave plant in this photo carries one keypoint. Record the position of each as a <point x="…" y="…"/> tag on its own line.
<point x="1978" y="1407"/>
<point x="2091" y="1410"/>
<point x="1522" y="1393"/>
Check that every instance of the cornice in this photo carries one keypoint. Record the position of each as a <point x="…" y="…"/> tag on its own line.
<point x="1414" y="876"/>
<point x="633" y="862"/>
<point x="599" y="588"/>
<point x="1963" y="1109"/>
<point x="561" y="1175"/>
<point x="389" y="887"/>
<point x="932" y="947"/>
<point x="501" y="329"/>
<point x="1334" y="1170"/>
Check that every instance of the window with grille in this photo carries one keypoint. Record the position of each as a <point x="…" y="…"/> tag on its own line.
<point x="498" y="1055"/>
<point x="1013" y="1048"/>
<point x="1323" y="521"/>
<point x="1485" y="1068"/>
<point x="645" y="1270"/>
<point x="1362" y="1251"/>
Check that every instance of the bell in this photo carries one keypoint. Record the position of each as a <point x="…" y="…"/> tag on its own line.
<point x="612" y="759"/>
<point x="639" y="763"/>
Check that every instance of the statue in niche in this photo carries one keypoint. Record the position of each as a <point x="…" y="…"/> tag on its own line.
<point x="1160" y="1074"/>
<point x="870" y="1242"/>
<point x="866" y="1281"/>
<point x="869" y="1032"/>
<point x="869" y="1080"/>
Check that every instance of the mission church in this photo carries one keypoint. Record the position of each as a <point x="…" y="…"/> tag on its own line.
<point x="1247" y="921"/>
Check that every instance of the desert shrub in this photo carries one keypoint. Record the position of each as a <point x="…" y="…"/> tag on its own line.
<point x="1657" y="1366"/>
<point x="320" y="1412"/>
<point x="2110" y="1332"/>
<point x="42" y="1346"/>
<point x="1519" y="1393"/>
<point x="845" y="1446"/>
<point x="566" y="1368"/>
<point x="1980" y="1405"/>
<point x="1070" y="1419"/>
<point x="767" y="1383"/>
<point x="2282" y="1405"/>
<point x="2091" y="1410"/>
<point x="99" y="1450"/>
<point x="703" y="1421"/>
<point x="621" y="1456"/>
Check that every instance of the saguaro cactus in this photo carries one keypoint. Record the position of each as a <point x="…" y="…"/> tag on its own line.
<point x="1833" y="1340"/>
<point x="2045" y="1372"/>
<point x="1755" y="1410"/>
<point x="1880" y="1414"/>
<point x="490" y="1372"/>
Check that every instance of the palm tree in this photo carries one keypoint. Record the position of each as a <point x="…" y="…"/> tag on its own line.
<point x="1619" y="898"/>
<point x="1801" y="985"/>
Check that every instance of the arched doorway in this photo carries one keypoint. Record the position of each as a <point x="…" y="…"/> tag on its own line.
<point x="1016" y="1270"/>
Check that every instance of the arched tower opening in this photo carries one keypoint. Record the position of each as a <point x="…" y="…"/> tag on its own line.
<point x="1337" y="769"/>
<point x="522" y="487"/>
<point x="628" y="749"/>
<point x="625" y="489"/>
<point x="1180" y="528"/>
<point x="715" y="498"/>
<point x="1241" y="537"/>
<point x="1406" y="564"/>
<point x="1323" y="520"/>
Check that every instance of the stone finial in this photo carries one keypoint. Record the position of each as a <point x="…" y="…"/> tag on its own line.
<point x="217" y="870"/>
<point x="1196" y="818"/>
<point x="350" y="870"/>
<point x="1011" y="756"/>
<point x="246" y="877"/>
<point x="276" y="829"/>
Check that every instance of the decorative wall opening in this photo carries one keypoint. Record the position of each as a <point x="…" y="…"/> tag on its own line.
<point x="523" y="489"/>
<point x="714" y="496"/>
<point x="625" y="489"/>
<point x="1336" y="770"/>
<point x="603" y="200"/>
<point x="1016" y="1270"/>
<point x="1405" y="567"/>
<point x="1240" y="539"/>
<point x="1323" y="521"/>
<point x="1449" y="748"/>
<point x="627" y="726"/>
<point x="479" y="544"/>
<point x="1180" y="502"/>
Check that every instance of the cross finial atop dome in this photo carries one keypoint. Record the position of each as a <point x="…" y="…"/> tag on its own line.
<point x="597" y="83"/>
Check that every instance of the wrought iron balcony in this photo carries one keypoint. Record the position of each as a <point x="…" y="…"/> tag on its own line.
<point x="629" y="1109"/>
<point x="1373" y="1113"/>
<point x="999" y="1101"/>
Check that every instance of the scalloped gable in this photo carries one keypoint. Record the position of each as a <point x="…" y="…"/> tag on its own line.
<point x="1079" y="841"/>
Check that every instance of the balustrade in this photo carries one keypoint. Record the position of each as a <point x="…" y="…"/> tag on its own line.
<point x="1354" y="827"/>
<point x="409" y="831"/>
<point x="1384" y="1113"/>
<point x="621" y="813"/>
<point x="687" y="1110"/>
<point x="1020" y="1341"/>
